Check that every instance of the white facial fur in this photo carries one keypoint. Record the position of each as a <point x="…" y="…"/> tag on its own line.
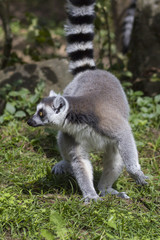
<point x="37" y="118"/>
<point x="51" y="110"/>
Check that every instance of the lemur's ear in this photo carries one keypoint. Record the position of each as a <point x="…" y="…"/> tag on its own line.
<point x="52" y="94"/>
<point x="58" y="103"/>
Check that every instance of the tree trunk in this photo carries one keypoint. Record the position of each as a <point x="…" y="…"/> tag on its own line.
<point x="145" y="41"/>
<point x="4" y="15"/>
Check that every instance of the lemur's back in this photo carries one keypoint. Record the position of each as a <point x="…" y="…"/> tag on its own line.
<point x="101" y="86"/>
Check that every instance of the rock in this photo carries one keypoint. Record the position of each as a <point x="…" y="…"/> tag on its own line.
<point x="53" y="72"/>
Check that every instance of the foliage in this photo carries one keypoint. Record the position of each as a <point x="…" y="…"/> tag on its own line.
<point x="145" y="110"/>
<point x="104" y="37"/>
<point x="19" y="104"/>
<point x="35" y="38"/>
<point x="38" y="36"/>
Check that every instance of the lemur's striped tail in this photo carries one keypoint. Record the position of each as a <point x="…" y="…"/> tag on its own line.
<point x="80" y="34"/>
<point x="128" y="26"/>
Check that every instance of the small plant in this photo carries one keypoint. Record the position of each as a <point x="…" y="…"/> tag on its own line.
<point x="145" y="110"/>
<point x="19" y="104"/>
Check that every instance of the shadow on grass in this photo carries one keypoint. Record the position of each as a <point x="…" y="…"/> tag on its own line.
<point x="44" y="139"/>
<point x="52" y="184"/>
<point x="55" y="184"/>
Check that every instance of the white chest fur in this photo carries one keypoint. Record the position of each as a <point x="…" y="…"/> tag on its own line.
<point x="86" y="136"/>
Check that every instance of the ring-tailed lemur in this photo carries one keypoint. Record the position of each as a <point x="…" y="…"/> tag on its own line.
<point x="92" y="113"/>
<point x="128" y="26"/>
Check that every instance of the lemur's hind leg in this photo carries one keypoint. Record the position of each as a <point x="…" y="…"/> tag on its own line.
<point x="112" y="168"/>
<point x="76" y="161"/>
<point x="128" y="151"/>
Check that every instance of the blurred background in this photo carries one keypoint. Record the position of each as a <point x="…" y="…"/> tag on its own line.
<point x="35" y="204"/>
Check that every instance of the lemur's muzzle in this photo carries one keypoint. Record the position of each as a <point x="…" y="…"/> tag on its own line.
<point x="32" y="123"/>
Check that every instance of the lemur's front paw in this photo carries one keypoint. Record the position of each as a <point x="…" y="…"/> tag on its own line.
<point x="61" y="168"/>
<point x="90" y="198"/>
<point x="140" y="178"/>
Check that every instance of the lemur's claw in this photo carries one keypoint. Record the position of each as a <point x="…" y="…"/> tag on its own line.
<point x="140" y="178"/>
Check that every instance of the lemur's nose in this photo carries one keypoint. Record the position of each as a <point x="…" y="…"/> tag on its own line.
<point x="31" y="122"/>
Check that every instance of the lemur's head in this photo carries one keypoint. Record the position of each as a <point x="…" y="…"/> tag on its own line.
<point x="51" y="110"/>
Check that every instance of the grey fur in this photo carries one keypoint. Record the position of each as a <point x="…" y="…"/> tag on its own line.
<point x="93" y="116"/>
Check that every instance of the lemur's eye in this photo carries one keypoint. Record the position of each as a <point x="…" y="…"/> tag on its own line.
<point x="40" y="113"/>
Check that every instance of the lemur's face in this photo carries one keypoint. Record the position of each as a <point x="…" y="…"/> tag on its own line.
<point x="40" y="118"/>
<point x="51" y="110"/>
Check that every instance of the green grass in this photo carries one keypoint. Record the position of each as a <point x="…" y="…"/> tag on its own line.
<point x="34" y="204"/>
